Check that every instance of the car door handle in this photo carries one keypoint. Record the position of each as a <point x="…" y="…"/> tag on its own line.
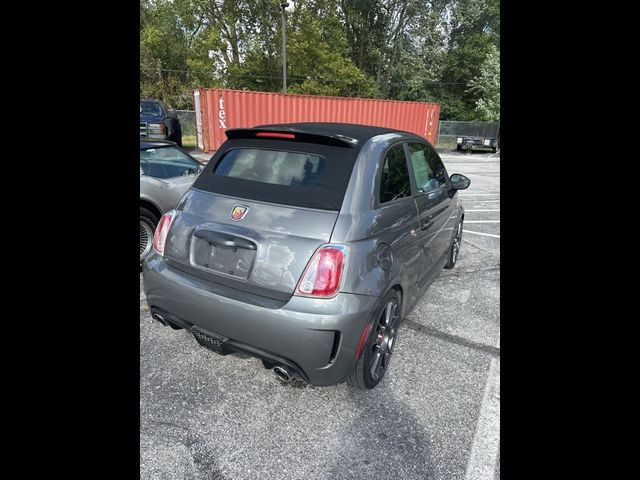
<point x="427" y="224"/>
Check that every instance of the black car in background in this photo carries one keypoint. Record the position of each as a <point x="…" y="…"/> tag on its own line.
<point x="158" y="123"/>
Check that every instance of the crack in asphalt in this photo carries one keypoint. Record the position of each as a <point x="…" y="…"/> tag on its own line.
<point x="204" y="462"/>
<point x="488" y="252"/>
<point x="448" y="337"/>
<point x="460" y="272"/>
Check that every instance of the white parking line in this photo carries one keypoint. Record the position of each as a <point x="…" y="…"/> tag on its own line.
<point x="481" y="210"/>
<point x="486" y="201"/>
<point x="476" y="194"/>
<point x="481" y="233"/>
<point x="481" y="221"/>
<point x="486" y="440"/>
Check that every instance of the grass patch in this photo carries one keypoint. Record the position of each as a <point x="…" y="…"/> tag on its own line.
<point x="446" y="144"/>
<point x="189" y="141"/>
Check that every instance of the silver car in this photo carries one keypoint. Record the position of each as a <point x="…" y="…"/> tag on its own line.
<point x="166" y="172"/>
<point x="305" y="245"/>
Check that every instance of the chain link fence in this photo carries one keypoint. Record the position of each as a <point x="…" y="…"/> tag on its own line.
<point x="449" y="131"/>
<point x="187" y="120"/>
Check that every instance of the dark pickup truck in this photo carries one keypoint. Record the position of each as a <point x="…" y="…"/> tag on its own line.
<point x="158" y="123"/>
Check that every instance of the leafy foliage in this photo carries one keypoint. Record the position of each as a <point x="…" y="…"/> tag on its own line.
<point x="435" y="50"/>
<point x="486" y="87"/>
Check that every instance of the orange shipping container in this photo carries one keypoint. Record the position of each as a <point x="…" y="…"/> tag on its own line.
<point x="219" y="109"/>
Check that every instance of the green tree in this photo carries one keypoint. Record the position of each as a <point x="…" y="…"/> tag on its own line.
<point x="486" y="87"/>
<point x="317" y="54"/>
<point x="445" y="51"/>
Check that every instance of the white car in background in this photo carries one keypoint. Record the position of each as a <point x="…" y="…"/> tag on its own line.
<point x="166" y="173"/>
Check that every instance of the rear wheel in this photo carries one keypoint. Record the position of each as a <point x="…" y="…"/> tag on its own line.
<point x="148" y="224"/>
<point x="454" y="250"/>
<point x="459" y="147"/>
<point x="376" y="354"/>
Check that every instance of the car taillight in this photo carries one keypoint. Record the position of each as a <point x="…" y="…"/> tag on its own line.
<point x="160" y="235"/>
<point x="322" y="276"/>
<point x="157" y="128"/>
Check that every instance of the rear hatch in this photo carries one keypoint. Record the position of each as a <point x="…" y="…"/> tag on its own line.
<point x="259" y="210"/>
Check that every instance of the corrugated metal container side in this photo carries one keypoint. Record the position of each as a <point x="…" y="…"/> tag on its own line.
<point x="221" y="109"/>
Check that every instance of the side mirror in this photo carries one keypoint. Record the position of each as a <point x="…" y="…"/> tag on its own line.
<point x="173" y="114"/>
<point x="459" y="182"/>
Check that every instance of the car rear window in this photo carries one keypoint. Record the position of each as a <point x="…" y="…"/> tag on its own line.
<point x="272" y="166"/>
<point x="167" y="162"/>
<point x="285" y="172"/>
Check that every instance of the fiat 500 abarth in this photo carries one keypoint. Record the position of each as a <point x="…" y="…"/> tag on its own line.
<point x="305" y="245"/>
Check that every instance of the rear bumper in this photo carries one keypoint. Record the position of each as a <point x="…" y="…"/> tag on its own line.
<point x="155" y="136"/>
<point x="476" y="142"/>
<point x="315" y="337"/>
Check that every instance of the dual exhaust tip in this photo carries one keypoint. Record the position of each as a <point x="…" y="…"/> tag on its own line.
<point x="164" y="321"/>
<point x="282" y="373"/>
<point x="159" y="318"/>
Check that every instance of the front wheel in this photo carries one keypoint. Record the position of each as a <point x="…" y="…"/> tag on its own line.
<point x="454" y="249"/>
<point x="374" y="359"/>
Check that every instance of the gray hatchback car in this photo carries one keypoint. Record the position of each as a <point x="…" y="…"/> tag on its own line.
<point x="305" y="245"/>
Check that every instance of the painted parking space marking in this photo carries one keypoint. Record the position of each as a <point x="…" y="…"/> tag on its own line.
<point x="486" y="440"/>
<point x="477" y="194"/>
<point x="481" y="221"/>
<point x="482" y="210"/>
<point x="481" y="233"/>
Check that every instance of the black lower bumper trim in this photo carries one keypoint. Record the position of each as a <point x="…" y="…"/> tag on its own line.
<point x="231" y="344"/>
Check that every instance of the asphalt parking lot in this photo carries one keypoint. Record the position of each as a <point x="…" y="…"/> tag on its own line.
<point x="436" y="414"/>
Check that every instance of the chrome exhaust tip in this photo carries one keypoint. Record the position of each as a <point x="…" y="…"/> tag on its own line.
<point x="282" y="373"/>
<point x="159" y="318"/>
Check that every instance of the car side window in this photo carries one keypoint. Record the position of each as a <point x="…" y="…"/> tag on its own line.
<point x="394" y="181"/>
<point x="437" y="167"/>
<point x="425" y="177"/>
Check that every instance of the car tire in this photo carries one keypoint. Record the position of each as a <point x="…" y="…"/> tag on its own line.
<point x="454" y="248"/>
<point x="379" y="345"/>
<point x="459" y="148"/>
<point x="495" y="149"/>
<point x="148" y="224"/>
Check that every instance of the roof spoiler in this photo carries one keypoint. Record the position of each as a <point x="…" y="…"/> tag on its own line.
<point x="284" y="133"/>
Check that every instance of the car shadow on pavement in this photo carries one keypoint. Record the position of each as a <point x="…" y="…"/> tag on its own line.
<point x="385" y="440"/>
